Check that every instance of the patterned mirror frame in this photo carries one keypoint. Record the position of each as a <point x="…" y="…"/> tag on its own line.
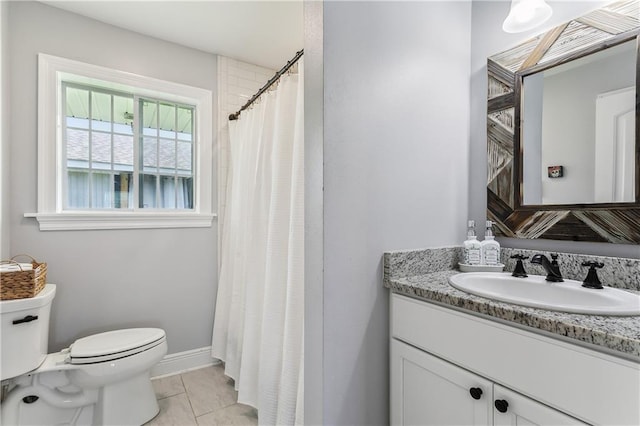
<point x="604" y="222"/>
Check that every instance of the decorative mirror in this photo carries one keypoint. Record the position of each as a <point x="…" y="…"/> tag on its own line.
<point x="562" y="131"/>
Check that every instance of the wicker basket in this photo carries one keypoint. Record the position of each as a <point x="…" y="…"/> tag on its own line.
<point x="22" y="284"/>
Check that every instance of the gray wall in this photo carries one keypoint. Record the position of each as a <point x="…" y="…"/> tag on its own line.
<point x="396" y="120"/>
<point x="107" y="279"/>
<point x="489" y="39"/>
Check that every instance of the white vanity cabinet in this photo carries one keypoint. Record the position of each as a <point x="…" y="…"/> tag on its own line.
<point x="443" y="359"/>
<point x="426" y="390"/>
<point x="511" y="408"/>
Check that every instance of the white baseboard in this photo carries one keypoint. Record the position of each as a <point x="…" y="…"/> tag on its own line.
<point x="181" y="362"/>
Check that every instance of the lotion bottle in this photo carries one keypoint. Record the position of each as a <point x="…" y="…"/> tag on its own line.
<point x="472" y="247"/>
<point x="490" y="248"/>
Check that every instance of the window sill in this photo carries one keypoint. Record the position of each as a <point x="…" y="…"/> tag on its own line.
<point x="71" y="221"/>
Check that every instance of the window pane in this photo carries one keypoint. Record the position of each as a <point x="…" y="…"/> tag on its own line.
<point x="167" y="154"/>
<point x="167" y="134"/>
<point x="167" y="192"/>
<point x="122" y="152"/>
<point x="101" y="190"/>
<point x="185" y="124"/>
<point x="150" y="132"/>
<point x="77" y="190"/>
<point x="123" y="115"/>
<point x="77" y="105"/>
<point x="101" y="111"/>
<point x="100" y="138"/>
<point x="184" y="157"/>
<point x="147" y="191"/>
<point x="167" y="121"/>
<point x="103" y="126"/>
<point x="123" y="190"/>
<point x="77" y="145"/>
<point x="185" y="193"/>
<point x="80" y="123"/>
<point x="150" y="117"/>
<point x="150" y="154"/>
<point x="125" y="129"/>
<point x="101" y="150"/>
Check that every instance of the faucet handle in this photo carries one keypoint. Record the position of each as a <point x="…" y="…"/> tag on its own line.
<point x="519" y="269"/>
<point x="519" y="257"/>
<point x="592" y="280"/>
<point x="554" y="258"/>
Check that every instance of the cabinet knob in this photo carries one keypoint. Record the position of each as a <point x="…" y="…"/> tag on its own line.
<point x="476" y="393"/>
<point x="501" y="405"/>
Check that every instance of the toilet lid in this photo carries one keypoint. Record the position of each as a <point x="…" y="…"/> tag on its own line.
<point x="114" y="344"/>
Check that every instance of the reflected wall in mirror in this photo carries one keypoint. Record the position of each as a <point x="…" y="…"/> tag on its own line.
<point x="554" y="103"/>
<point x="580" y="115"/>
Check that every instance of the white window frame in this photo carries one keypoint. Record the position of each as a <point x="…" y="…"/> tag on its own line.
<point x="52" y="70"/>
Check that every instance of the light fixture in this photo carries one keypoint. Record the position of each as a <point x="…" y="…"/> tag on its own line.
<point x="526" y="15"/>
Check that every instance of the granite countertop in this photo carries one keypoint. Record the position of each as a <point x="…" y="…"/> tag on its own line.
<point x="615" y="335"/>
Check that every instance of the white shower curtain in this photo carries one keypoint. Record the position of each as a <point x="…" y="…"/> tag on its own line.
<point x="258" y="325"/>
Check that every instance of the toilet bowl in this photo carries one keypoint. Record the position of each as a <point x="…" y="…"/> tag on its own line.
<point x="101" y="379"/>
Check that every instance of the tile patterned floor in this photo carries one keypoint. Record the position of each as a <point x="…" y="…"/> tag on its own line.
<point x="203" y="397"/>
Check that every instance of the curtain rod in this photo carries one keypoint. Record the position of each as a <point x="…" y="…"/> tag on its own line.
<point x="266" y="86"/>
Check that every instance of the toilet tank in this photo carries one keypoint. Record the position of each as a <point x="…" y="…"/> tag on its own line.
<point x="24" y="336"/>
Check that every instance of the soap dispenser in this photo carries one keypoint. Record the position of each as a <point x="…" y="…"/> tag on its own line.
<point x="472" y="247"/>
<point x="490" y="248"/>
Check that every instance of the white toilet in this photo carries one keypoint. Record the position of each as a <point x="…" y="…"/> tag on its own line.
<point x="99" y="380"/>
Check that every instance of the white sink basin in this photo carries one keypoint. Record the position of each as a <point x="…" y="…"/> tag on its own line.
<point x="534" y="291"/>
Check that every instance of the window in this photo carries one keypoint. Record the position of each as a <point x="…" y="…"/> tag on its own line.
<point x="102" y="167"/>
<point x="118" y="150"/>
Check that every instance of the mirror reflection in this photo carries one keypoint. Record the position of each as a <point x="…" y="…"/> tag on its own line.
<point x="578" y="130"/>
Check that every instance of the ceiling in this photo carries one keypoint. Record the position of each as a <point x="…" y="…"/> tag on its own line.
<point x="265" y="33"/>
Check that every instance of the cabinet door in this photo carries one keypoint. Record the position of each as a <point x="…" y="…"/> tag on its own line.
<point x="426" y="390"/>
<point x="522" y="411"/>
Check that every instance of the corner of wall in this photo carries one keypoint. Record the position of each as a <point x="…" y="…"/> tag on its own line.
<point x="5" y="122"/>
<point x="313" y="215"/>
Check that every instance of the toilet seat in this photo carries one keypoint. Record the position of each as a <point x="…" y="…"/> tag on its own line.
<point x="112" y="345"/>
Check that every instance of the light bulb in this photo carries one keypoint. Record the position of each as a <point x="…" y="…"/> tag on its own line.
<point x="526" y="15"/>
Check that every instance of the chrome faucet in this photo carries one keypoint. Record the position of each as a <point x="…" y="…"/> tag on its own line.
<point x="552" y="267"/>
